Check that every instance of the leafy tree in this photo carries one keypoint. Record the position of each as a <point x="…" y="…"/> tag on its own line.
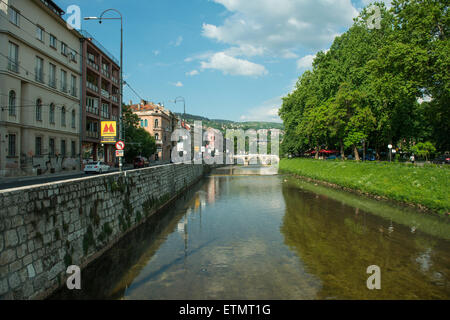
<point x="138" y="142"/>
<point x="423" y="149"/>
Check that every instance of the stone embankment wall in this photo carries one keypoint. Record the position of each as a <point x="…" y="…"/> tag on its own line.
<point x="46" y="228"/>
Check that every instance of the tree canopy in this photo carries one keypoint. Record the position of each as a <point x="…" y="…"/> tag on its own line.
<point x="378" y="86"/>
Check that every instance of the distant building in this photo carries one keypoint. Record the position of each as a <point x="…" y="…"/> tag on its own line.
<point x="101" y="98"/>
<point x="160" y="123"/>
<point x="40" y="73"/>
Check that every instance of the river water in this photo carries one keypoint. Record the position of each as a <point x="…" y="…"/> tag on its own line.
<point x="247" y="233"/>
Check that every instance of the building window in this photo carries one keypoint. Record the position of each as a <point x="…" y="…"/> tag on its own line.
<point x="156" y="123"/>
<point x="105" y="110"/>
<point x="146" y="123"/>
<point x="73" y="85"/>
<point x="64" y="48"/>
<point x="73" y="149"/>
<point x="14" y="16"/>
<point x="12" y="103"/>
<point x="73" y="55"/>
<point x="63" y="116"/>
<point x="13" y="59"/>
<point x="51" y="147"/>
<point x="11" y="145"/>
<point x="156" y="136"/>
<point x="53" y="41"/>
<point x="39" y="71"/>
<point x="39" y="110"/>
<point x="38" y="146"/>
<point x="52" y="114"/>
<point x="63" y="81"/>
<point x="40" y="33"/>
<point x="73" y="119"/>
<point x="52" y="76"/>
<point x="63" y="148"/>
<point x="92" y="105"/>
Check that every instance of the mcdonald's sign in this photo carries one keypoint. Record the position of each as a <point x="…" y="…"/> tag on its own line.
<point x="109" y="131"/>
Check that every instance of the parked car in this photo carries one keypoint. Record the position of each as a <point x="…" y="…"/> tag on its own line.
<point x="444" y="159"/>
<point x="96" y="167"/>
<point x="140" y="162"/>
<point x="370" y="157"/>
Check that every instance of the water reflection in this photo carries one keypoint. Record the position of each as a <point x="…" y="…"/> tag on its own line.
<point x="266" y="237"/>
<point x="338" y="243"/>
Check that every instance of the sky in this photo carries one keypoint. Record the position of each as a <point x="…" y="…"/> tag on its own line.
<point x="229" y="59"/>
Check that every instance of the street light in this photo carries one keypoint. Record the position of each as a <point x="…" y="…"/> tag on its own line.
<point x="184" y="106"/>
<point x="121" y="67"/>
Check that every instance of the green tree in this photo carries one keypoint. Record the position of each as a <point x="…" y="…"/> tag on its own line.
<point x="423" y="149"/>
<point x="138" y="142"/>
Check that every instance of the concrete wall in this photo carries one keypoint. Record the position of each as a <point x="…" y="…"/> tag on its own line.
<point x="46" y="228"/>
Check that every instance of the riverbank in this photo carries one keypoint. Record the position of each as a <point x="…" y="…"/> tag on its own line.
<point x="424" y="187"/>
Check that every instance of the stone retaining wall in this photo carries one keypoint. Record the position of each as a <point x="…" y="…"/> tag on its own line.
<point x="46" y="228"/>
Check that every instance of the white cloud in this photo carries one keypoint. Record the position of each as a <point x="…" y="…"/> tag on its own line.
<point x="178" y="41"/>
<point x="233" y="66"/>
<point x="192" y="73"/>
<point x="386" y="2"/>
<point x="306" y="62"/>
<point x="177" y="84"/>
<point x="156" y="52"/>
<point x="280" y="27"/>
<point x="267" y="111"/>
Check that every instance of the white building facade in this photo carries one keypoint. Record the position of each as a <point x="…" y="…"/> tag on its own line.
<point x="40" y="77"/>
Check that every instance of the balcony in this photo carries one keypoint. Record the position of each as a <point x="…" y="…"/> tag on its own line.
<point x="93" y="65"/>
<point x="115" y="80"/>
<point x="91" y="86"/>
<point x="115" y="98"/>
<point x="105" y="93"/>
<point x="106" y="73"/>
<point x="92" y="134"/>
<point x="64" y="87"/>
<point x="105" y="114"/>
<point x="13" y="65"/>
<point x="92" y="110"/>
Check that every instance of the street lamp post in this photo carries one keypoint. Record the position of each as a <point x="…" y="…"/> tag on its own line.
<point x="184" y="106"/>
<point x="121" y="69"/>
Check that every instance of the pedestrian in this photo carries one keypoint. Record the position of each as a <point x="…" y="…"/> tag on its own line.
<point x="412" y="158"/>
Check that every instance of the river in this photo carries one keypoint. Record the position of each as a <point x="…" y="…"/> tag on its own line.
<point x="247" y="233"/>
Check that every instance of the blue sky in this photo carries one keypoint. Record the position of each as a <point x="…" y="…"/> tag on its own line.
<point x="229" y="59"/>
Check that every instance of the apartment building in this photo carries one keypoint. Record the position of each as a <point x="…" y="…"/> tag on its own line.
<point x="40" y="74"/>
<point x="160" y="123"/>
<point x="101" y="98"/>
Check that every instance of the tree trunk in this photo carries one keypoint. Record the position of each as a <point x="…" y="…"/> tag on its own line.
<point x="342" y="150"/>
<point x="355" y="149"/>
<point x="317" y="153"/>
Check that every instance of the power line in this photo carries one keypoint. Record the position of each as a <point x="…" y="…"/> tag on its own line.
<point x="133" y="90"/>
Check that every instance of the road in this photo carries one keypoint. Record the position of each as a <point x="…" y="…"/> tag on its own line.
<point x="30" y="181"/>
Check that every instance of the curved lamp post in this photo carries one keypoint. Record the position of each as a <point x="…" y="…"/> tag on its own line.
<point x="101" y="18"/>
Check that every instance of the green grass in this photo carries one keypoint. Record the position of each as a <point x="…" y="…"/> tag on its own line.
<point x="427" y="186"/>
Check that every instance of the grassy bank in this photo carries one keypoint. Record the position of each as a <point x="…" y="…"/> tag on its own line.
<point x="425" y="186"/>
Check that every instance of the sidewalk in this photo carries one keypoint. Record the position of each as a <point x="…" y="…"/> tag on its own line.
<point x="42" y="176"/>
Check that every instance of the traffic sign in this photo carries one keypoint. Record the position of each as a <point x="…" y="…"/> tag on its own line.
<point x="119" y="153"/>
<point x="120" y="145"/>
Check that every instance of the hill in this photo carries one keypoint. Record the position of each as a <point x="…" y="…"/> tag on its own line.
<point x="222" y="125"/>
